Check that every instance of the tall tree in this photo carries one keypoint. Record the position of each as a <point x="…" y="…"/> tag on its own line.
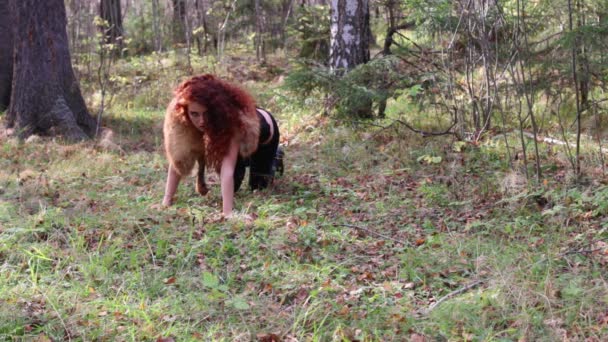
<point x="349" y="45"/>
<point x="156" y="25"/>
<point x="179" y="21"/>
<point x="201" y="24"/>
<point x="260" y="51"/>
<point x="109" y="11"/>
<point x="350" y="34"/>
<point x="45" y="96"/>
<point x="6" y="55"/>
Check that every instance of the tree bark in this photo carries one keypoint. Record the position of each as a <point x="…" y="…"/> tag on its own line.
<point x="287" y="9"/>
<point x="46" y="98"/>
<point x="350" y="34"/>
<point x="109" y="10"/>
<point x="179" y="21"/>
<point x="156" y="25"/>
<point x="202" y="22"/>
<point x="6" y="55"/>
<point x="350" y="39"/>
<point x="260" y="52"/>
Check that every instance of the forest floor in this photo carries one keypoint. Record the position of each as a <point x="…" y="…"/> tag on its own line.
<point x="371" y="234"/>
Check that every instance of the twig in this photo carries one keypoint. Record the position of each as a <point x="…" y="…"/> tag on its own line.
<point x="451" y="295"/>
<point x="147" y="243"/>
<point x="65" y="327"/>
<point x="401" y="242"/>
<point x="580" y="251"/>
<point x="428" y="134"/>
<point x="553" y="141"/>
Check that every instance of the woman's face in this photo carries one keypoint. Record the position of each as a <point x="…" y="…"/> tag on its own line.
<point x="196" y="113"/>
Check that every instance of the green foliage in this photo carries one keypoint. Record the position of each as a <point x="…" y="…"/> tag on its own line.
<point x="312" y="30"/>
<point x="140" y="33"/>
<point x="373" y="82"/>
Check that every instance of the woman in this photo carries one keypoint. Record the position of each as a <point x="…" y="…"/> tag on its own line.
<point x="217" y="124"/>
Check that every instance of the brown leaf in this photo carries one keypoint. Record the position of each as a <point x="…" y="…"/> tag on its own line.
<point x="42" y="338"/>
<point x="302" y="295"/>
<point x="268" y="338"/>
<point x="165" y="339"/>
<point x="170" y="280"/>
<point x="417" y="338"/>
<point x="344" y="311"/>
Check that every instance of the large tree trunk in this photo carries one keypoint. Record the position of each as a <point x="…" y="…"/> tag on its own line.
<point x="179" y="21"/>
<point x="350" y="34"/>
<point x="46" y="98"/>
<point x="109" y="10"/>
<point x="6" y="55"/>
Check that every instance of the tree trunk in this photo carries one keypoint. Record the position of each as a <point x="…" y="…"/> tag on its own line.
<point x="179" y="21"/>
<point x="287" y="9"/>
<point x="260" y="54"/>
<point x="6" y="55"/>
<point x="350" y="39"/>
<point x="202" y="22"/>
<point x="156" y="26"/>
<point x="350" y="34"/>
<point x="46" y="98"/>
<point x="109" y="10"/>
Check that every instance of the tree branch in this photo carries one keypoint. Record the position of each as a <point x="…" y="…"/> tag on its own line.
<point x="401" y="242"/>
<point x="451" y="295"/>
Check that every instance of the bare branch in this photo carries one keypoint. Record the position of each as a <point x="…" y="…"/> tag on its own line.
<point x="451" y="295"/>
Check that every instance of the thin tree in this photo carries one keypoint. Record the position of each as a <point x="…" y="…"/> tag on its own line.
<point x="179" y="21"/>
<point x="45" y="96"/>
<point x="221" y="31"/>
<point x="201" y="24"/>
<point x="6" y="55"/>
<point x="156" y="25"/>
<point x="260" y="51"/>
<point x="287" y="10"/>
<point x="575" y="78"/>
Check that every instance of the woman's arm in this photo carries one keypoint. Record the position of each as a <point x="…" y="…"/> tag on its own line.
<point x="172" y="182"/>
<point x="227" y="177"/>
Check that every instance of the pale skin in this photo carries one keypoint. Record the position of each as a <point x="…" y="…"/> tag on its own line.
<point x="196" y="113"/>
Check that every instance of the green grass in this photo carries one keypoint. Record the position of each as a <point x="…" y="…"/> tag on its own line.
<point x="355" y="242"/>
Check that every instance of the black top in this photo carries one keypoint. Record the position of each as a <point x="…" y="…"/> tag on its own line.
<point x="264" y="127"/>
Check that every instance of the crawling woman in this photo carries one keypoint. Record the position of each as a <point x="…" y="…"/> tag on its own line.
<point x="215" y="123"/>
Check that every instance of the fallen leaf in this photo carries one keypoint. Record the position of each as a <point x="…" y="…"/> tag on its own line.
<point x="344" y="311"/>
<point x="268" y="338"/>
<point x="165" y="339"/>
<point x="417" y="338"/>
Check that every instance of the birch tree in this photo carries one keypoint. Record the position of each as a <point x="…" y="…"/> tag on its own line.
<point x="350" y="34"/>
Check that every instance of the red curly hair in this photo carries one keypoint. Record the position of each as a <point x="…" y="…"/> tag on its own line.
<point x="229" y="108"/>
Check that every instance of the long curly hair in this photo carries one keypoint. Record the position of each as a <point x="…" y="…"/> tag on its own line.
<point x="230" y="111"/>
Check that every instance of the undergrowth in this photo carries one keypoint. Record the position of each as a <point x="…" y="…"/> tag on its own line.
<point x="371" y="234"/>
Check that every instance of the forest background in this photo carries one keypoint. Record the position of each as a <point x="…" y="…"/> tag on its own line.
<point x="445" y="172"/>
